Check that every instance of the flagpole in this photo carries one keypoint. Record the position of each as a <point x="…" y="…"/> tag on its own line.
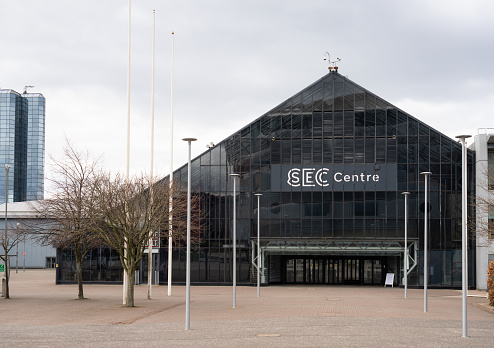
<point x="150" y="242"/>
<point x="170" y="205"/>
<point x="125" y="277"/>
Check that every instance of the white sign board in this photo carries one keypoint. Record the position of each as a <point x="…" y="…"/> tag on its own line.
<point x="390" y="277"/>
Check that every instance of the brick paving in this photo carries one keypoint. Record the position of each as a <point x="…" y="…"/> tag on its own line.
<point x="41" y="314"/>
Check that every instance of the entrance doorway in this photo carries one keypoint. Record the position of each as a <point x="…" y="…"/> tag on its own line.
<point x="333" y="270"/>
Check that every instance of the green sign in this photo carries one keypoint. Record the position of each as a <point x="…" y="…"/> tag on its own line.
<point x="2" y="268"/>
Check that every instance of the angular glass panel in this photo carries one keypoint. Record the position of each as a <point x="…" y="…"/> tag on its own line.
<point x="380" y="122"/>
<point x="296" y="126"/>
<point x="255" y="129"/>
<point x="349" y="103"/>
<point x="381" y="150"/>
<point x="328" y="96"/>
<point x="307" y="126"/>
<point x="286" y="126"/>
<point x="317" y="124"/>
<point x="359" y="123"/>
<point x="317" y="151"/>
<point x="338" y="151"/>
<point x="391" y="150"/>
<point x="286" y="151"/>
<point x="402" y="123"/>
<point x="413" y="149"/>
<point x="327" y="151"/>
<point x="296" y="151"/>
<point x="328" y="124"/>
<point x="307" y="101"/>
<point x="370" y="123"/>
<point x="424" y="148"/>
<point x="338" y="124"/>
<point x="370" y="150"/>
<point x="348" y="123"/>
<point x="370" y="101"/>
<point x="317" y="95"/>
<point x="307" y="151"/>
<point x="359" y="150"/>
<point x="348" y="150"/>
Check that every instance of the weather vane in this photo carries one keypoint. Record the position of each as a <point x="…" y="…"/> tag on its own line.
<point x="26" y="87"/>
<point x="332" y="64"/>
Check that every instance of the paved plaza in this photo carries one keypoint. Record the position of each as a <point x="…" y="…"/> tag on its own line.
<point x="42" y="314"/>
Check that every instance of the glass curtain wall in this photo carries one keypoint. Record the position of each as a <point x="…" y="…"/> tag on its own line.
<point x="332" y="122"/>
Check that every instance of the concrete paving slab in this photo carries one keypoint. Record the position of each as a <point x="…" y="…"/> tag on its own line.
<point x="43" y="314"/>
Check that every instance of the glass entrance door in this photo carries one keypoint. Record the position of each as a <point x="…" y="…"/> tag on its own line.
<point x="333" y="270"/>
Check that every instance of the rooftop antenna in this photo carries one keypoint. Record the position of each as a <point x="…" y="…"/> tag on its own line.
<point x="25" y="89"/>
<point x="332" y="64"/>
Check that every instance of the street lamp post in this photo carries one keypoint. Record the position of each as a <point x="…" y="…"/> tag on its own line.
<point x="235" y="176"/>
<point x="405" y="262"/>
<point x="426" y="242"/>
<point x="258" y="244"/>
<point x="7" y="169"/>
<point x="170" y="183"/>
<point x="187" y="280"/>
<point x="464" y="270"/>
<point x="17" y="249"/>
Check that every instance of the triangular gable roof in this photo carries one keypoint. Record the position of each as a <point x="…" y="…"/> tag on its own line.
<point x="329" y="93"/>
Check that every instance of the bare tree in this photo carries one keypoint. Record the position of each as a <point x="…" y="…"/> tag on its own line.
<point x="481" y="228"/>
<point x="67" y="218"/>
<point x="130" y="212"/>
<point x="11" y="237"/>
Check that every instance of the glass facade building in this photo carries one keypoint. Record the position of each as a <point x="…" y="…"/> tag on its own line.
<point x="35" y="146"/>
<point x="331" y="163"/>
<point x="22" y="145"/>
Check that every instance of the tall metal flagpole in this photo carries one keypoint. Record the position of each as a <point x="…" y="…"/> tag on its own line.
<point x="170" y="181"/>
<point x="235" y="176"/>
<point x="464" y="240"/>
<point x="125" y="277"/>
<point x="187" y="276"/>
<point x="426" y="242"/>
<point x="258" y="245"/>
<point x="150" y="242"/>
<point x="405" y="253"/>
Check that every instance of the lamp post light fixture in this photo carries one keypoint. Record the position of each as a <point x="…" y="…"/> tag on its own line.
<point x="426" y="242"/>
<point x="235" y="176"/>
<point x="187" y="280"/>
<point x="258" y="244"/>
<point x="405" y="262"/>
<point x="464" y="241"/>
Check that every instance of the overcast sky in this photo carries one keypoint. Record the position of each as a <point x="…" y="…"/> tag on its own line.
<point x="234" y="61"/>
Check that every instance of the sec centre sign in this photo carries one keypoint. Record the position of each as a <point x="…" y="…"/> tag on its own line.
<point x="335" y="177"/>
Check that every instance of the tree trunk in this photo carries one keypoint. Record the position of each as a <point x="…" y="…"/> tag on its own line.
<point x="78" y="261"/>
<point x="129" y="299"/>
<point x="7" y="276"/>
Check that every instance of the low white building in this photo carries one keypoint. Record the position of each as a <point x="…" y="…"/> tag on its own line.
<point x="484" y="172"/>
<point x="27" y="253"/>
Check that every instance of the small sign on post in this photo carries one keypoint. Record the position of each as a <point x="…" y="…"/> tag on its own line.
<point x="390" y="277"/>
<point x="2" y="268"/>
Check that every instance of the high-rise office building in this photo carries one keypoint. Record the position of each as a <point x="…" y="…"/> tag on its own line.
<point x="22" y="145"/>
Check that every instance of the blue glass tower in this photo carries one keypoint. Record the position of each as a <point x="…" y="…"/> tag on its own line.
<point x="35" y="146"/>
<point x="22" y="145"/>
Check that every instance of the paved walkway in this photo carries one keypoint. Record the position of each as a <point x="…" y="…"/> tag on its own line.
<point x="43" y="314"/>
